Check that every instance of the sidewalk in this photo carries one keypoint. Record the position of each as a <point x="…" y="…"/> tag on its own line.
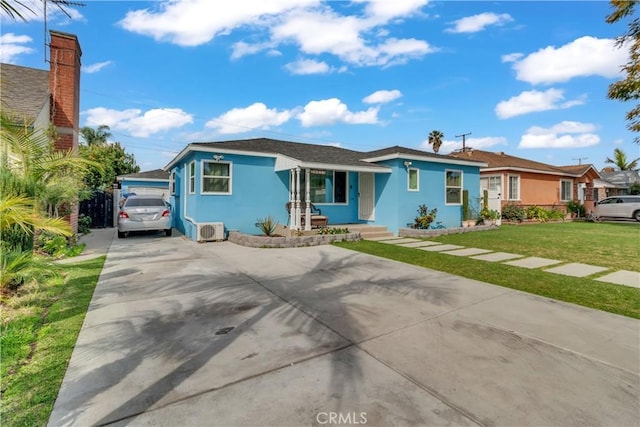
<point x="574" y="269"/>
<point x="97" y="244"/>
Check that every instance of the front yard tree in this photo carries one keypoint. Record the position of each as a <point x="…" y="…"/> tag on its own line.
<point x="629" y="88"/>
<point x="98" y="136"/>
<point x="435" y="140"/>
<point x="620" y="161"/>
<point x="114" y="160"/>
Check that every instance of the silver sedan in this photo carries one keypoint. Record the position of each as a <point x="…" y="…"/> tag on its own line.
<point x="144" y="213"/>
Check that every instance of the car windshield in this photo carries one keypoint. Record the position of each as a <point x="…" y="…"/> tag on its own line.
<point x="135" y="203"/>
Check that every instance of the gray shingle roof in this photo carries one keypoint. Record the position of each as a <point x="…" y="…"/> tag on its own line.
<point x="621" y="178"/>
<point x="24" y="91"/>
<point x="404" y="150"/>
<point x="311" y="153"/>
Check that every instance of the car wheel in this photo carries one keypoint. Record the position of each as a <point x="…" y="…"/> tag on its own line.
<point x="636" y="215"/>
<point x="122" y="234"/>
<point x="167" y="232"/>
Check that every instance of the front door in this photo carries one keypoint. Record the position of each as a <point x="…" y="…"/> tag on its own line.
<point x="366" y="191"/>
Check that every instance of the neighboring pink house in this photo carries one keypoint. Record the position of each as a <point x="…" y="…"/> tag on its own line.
<point x="529" y="183"/>
<point x="39" y="98"/>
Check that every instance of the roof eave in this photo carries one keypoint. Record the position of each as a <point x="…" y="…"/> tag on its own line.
<point x="425" y="159"/>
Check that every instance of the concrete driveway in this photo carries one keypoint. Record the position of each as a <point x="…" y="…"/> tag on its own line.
<point x="180" y="333"/>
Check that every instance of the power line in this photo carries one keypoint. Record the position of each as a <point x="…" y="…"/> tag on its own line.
<point x="463" y="140"/>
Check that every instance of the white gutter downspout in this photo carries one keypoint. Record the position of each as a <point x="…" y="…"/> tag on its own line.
<point x="184" y="202"/>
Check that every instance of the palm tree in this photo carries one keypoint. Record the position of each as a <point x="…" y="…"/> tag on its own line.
<point x="435" y="139"/>
<point x="620" y="161"/>
<point x="97" y="136"/>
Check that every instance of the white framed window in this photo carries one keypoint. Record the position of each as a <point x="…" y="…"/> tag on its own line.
<point x="192" y="177"/>
<point x="216" y="177"/>
<point x="566" y="190"/>
<point x="453" y="187"/>
<point x="492" y="183"/>
<point x="325" y="186"/>
<point x="514" y="187"/>
<point x="172" y="182"/>
<point x="413" y="179"/>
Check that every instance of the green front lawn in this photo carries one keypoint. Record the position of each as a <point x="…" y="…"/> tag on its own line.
<point x="39" y="331"/>
<point x="609" y="245"/>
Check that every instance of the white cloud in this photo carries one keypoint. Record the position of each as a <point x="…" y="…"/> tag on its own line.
<point x="384" y="10"/>
<point x="94" y="68"/>
<point x="586" y="56"/>
<point x="511" y="57"/>
<point x="567" y="134"/>
<point x="382" y="96"/>
<point x="312" y="25"/>
<point x="449" y="146"/>
<point x="532" y="101"/>
<point x="308" y="66"/>
<point x="330" y="111"/>
<point x="476" y="23"/>
<point x="255" y="116"/>
<point x="134" y="122"/>
<point x="12" y="45"/>
<point x="195" y="22"/>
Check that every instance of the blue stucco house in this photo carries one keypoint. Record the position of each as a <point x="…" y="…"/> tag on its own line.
<point x="148" y="182"/>
<point x="232" y="184"/>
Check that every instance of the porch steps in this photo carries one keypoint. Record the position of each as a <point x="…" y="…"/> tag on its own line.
<point x="368" y="231"/>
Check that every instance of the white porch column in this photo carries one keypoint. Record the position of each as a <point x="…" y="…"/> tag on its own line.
<point x="292" y="200"/>
<point x="297" y="203"/>
<point x="307" y="190"/>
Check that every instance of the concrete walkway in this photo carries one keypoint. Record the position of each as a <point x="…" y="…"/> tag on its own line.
<point x="620" y="277"/>
<point x="180" y="333"/>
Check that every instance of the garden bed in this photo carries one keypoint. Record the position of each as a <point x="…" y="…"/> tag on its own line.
<point x="290" y="241"/>
<point x="414" y="232"/>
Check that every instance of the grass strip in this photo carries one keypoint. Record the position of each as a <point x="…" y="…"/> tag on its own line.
<point x="587" y="292"/>
<point x="39" y="333"/>
<point x="612" y="245"/>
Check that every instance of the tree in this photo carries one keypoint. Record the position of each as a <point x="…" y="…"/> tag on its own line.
<point x="114" y="161"/>
<point x="16" y="9"/>
<point x="629" y="88"/>
<point x="97" y="136"/>
<point x="620" y="161"/>
<point x="435" y="140"/>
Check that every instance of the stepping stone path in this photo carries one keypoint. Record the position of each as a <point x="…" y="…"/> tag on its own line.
<point x="533" y="262"/>
<point x="576" y="269"/>
<point x="622" y="277"/>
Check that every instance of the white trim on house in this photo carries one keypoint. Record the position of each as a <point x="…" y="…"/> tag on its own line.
<point x="192" y="177"/>
<point x="515" y="169"/>
<point x="509" y="176"/>
<point x="417" y="171"/>
<point x="570" y="182"/>
<point x="229" y="177"/>
<point x="452" y="161"/>
<point x="447" y="186"/>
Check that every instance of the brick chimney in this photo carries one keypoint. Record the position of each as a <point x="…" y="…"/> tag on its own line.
<point x="64" y="87"/>
<point x="64" y="96"/>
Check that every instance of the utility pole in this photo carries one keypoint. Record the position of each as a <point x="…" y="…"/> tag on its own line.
<point x="580" y="159"/>
<point x="464" y="148"/>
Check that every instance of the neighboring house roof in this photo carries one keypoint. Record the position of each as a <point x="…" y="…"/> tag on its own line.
<point x="501" y="161"/>
<point x="621" y="179"/>
<point x="295" y="154"/>
<point x="25" y="91"/>
<point x="154" y="175"/>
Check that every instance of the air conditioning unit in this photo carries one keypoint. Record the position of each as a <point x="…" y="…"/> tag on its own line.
<point x="210" y="231"/>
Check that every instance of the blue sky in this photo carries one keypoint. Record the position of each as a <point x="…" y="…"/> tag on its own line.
<point x="526" y="78"/>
